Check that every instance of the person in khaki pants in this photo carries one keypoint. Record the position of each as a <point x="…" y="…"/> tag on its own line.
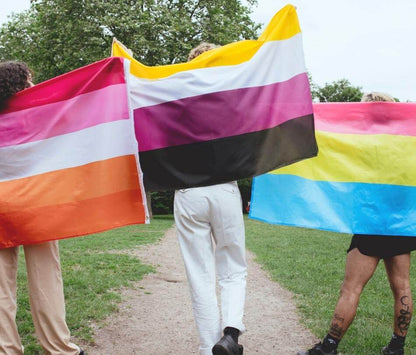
<point x="46" y="294"/>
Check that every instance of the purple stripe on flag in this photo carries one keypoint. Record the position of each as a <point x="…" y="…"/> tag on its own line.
<point x="222" y="114"/>
<point x="75" y="114"/>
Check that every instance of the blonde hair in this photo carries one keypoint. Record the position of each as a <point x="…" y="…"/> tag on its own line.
<point x="201" y="48"/>
<point x="377" y="96"/>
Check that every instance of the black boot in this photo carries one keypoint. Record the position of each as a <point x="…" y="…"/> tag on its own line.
<point x="227" y="346"/>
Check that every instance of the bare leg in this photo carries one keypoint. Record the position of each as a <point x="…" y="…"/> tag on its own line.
<point x="358" y="270"/>
<point x="398" y="269"/>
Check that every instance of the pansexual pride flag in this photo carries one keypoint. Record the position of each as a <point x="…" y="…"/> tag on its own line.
<point x="68" y="158"/>
<point x="362" y="181"/>
<point x="233" y="112"/>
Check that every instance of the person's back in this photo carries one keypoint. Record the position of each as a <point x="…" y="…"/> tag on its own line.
<point x="199" y="213"/>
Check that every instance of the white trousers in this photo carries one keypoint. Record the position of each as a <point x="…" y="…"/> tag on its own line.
<point x="46" y="300"/>
<point x="199" y="213"/>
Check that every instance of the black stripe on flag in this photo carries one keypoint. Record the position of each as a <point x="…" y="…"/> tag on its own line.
<point x="231" y="158"/>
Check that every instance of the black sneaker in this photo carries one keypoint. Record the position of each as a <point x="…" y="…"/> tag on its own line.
<point x="318" y="349"/>
<point x="227" y="346"/>
<point x="389" y="351"/>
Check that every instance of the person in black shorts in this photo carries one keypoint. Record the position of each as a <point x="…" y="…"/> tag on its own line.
<point x="363" y="257"/>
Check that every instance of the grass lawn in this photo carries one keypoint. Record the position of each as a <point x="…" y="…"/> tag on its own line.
<point x="93" y="272"/>
<point x="310" y="263"/>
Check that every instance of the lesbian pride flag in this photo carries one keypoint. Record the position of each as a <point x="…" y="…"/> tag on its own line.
<point x="233" y="112"/>
<point x="362" y="181"/>
<point x="68" y="158"/>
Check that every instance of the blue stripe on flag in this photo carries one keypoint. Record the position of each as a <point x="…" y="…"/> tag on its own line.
<point x="345" y="207"/>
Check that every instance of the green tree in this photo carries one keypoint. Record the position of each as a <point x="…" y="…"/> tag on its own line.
<point x="56" y="36"/>
<point x="312" y="85"/>
<point x="337" y="91"/>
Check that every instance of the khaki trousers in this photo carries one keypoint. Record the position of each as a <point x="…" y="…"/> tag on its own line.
<point x="46" y="300"/>
<point x="205" y="216"/>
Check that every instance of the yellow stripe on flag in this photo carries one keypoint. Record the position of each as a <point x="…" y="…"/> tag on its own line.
<point x="347" y="157"/>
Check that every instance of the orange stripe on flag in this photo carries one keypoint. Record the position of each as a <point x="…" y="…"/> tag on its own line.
<point x="71" y="219"/>
<point x="70" y="185"/>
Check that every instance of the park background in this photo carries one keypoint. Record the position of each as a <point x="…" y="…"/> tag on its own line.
<point x="351" y="47"/>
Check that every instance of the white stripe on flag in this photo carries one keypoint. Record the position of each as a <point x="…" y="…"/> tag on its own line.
<point x="105" y="141"/>
<point x="274" y="62"/>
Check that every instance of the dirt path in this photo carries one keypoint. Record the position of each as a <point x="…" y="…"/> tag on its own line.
<point x="156" y="317"/>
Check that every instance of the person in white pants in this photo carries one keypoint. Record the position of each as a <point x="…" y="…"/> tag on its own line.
<point x="211" y="236"/>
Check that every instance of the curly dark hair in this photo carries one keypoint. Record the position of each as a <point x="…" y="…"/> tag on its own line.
<point x="14" y="77"/>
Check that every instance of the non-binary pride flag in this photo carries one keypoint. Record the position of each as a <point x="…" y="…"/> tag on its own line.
<point x="362" y="181"/>
<point x="68" y="158"/>
<point x="233" y="112"/>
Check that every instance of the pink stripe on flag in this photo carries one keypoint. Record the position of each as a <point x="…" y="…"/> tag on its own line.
<point x="92" y="77"/>
<point x="87" y="110"/>
<point x="366" y="118"/>
<point x="231" y="113"/>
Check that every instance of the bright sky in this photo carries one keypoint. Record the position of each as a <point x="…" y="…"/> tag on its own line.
<point x="370" y="43"/>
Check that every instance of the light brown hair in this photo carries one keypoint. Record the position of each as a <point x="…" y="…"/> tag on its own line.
<point x="201" y="48"/>
<point x="377" y="96"/>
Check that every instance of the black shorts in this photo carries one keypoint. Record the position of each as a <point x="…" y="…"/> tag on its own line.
<point x="382" y="246"/>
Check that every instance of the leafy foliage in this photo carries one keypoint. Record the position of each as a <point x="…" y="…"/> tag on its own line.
<point x="162" y="201"/>
<point x="56" y="36"/>
<point x="337" y="91"/>
<point x="245" y="189"/>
